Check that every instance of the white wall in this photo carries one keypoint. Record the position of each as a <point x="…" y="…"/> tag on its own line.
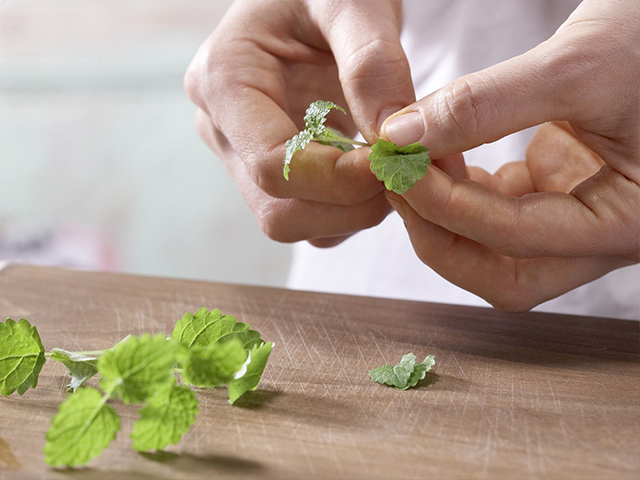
<point x="96" y="131"/>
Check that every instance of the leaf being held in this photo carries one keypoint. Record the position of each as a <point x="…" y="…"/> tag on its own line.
<point x="21" y="356"/>
<point x="168" y="414"/>
<point x="80" y="367"/>
<point x="135" y="368"/>
<point x="215" y="365"/>
<point x="251" y="377"/>
<point x="83" y="427"/>
<point x="399" y="168"/>
<point x="314" y="119"/>
<point x="404" y="375"/>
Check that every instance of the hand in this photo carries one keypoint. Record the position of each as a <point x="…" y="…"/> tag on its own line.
<point x="571" y="212"/>
<point x="254" y="78"/>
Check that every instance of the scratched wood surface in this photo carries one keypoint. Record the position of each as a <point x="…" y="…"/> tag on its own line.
<point x="526" y="396"/>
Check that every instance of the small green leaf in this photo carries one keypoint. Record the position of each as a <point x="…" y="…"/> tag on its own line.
<point x="316" y="115"/>
<point x="215" y="365"/>
<point x="83" y="427"/>
<point x="420" y="372"/>
<point x="79" y="366"/>
<point x="204" y="328"/>
<point x="399" y="168"/>
<point x="314" y="119"/>
<point x="404" y="375"/>
<point x="21" y="356"/>
<point x="135" y="368"/>
<point x="251" y="377"/>
<point x="168" y="414"/>
<point x="291" y="146"/>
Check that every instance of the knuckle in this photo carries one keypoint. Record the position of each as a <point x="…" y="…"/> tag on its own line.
<point x="374" y="61"/>
<point x="463" y="107"/>
<point x="266" y="178"/>
<point x="275" y="223"/>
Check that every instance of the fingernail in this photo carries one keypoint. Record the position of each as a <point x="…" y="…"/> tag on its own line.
<point x="405" y="129"/>
<point x="384" y="114"/>
<point x="397" y="206"/>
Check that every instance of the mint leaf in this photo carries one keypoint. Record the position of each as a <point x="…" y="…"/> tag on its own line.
<point x="168" y="414"/>
<point x="420" y="372"/>
<point x="79" y="366"/>
<point x="21" y="356"/>
<point x="251" y="377"/>
<point x="215" y="365"/>
<point x="83" y="427"/>
<point x="314" y="119"/>
<point x="316" y="115"/>
<point x="204" y="328"/>
<point x="399" y="168"/>
<point x="404" y="375"/>
<point x="291" y="146"/>
<point x="136" y="368"/>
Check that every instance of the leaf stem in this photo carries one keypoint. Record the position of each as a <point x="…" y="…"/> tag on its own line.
<point x="87" y="353"/>
<point x="338" y="138"/>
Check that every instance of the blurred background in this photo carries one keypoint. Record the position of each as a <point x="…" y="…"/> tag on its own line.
<point x="100" y="163"/>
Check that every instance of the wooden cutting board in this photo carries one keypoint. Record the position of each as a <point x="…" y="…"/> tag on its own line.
<point x="513" y="396"/>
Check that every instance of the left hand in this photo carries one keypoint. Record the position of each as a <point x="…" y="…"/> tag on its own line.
<point x="571" y="212"/>
<point x="513" y="262"/>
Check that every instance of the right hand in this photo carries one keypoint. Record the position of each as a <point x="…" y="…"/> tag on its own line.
<point x="254" y="77"/>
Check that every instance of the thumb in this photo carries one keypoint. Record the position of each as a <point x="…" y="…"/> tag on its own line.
<point x="485" y="106"/>
<point x="374" y="71"/>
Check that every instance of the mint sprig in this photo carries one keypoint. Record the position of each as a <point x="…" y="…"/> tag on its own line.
<point x="206" y="349"/>
<point x="398" y="167"/>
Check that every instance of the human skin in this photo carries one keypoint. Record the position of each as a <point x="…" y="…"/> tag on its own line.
<point x="568" y="214"/>
<point x="517" y="238"/>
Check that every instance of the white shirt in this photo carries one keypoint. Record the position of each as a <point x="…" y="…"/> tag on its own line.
<point x="445" y="39"/>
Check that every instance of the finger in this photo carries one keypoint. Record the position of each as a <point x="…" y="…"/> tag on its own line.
<point x="292" y="220"/>
<point x="558" y="161"/>
<point x="512" y="179"/>
<point x="541" y="85"/>
<point x="453" y="166"/>
<point x="507" y="283"/>
<point x="365" y="40"/>
<point x="599" y="217"/>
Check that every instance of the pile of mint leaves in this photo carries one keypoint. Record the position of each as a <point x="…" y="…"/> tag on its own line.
<point x="205" y="350"/>
<point x="398" y="167"/>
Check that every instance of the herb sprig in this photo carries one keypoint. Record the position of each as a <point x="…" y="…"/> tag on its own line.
<point x="398" y="167"/>
<point x="206" y="349"/>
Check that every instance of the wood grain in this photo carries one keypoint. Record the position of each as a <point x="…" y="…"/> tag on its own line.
<point x="514" y="396"/>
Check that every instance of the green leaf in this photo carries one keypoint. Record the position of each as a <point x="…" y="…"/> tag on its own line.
<point x="291" y="146"/>
<point x="79" y="366"/>
<point x="399" y="168"/>
<point x="316" y="115"/>
<point x="420" y="372"/>
<point x="251" y="378"/>
<point x="21" y="356"/>
<point x="135" y="368"/>
<point x="314" y="119"/>
<point x="168" y="415"/>
<point x="83" y="427"/>
<point x="215" y="365"/>
<point x="404" y="375"/>
<point x="204" y="328"/>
